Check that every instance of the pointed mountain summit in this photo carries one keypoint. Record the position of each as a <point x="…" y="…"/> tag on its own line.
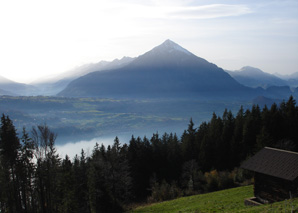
<point x="168" y="54"/>
<point x="169" y="47"/>
<point x="166" y="71"/>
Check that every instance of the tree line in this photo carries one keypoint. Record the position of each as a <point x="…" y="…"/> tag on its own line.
<point x="34" y="178"/>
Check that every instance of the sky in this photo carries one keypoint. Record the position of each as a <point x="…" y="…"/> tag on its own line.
<point x="47" y="37"/>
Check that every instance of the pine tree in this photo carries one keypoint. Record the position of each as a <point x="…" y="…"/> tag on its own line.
<point x="237" y="146"/>
<point x="188" y="142"/>
<point x="215" y="141"/>
<point x="80" y="170"/>
<point x="227" y="135"/>
<point x="9" y="154"/>
<point x="47" y="170"/>
<point x="26" y="167"/>
<point x="66" y="187"/>
<point x="252" y="127"/>
<point x="140" y="159"/>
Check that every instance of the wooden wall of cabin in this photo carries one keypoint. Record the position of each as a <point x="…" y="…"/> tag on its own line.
<point x="295" y="186"/>
<point x="273" y="189"/>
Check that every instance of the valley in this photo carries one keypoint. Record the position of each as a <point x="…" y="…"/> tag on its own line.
<point x="158" y="91"/>
<point x="148" y="106"/>
<point x="75" y="119"/>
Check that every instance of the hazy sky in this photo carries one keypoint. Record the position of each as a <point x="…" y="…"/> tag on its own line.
<point x="40" y="38"/>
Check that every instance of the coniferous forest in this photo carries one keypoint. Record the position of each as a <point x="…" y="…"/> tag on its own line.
<point x="34" y="178"/>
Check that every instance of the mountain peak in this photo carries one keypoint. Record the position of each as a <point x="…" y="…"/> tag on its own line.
<point x="250" y="69"/>
<point x="169" y="43"/>
<point x="169" y="46"/>
<point x="168" y="54"/>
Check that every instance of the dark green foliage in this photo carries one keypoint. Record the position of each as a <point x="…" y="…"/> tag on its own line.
<point x="47" y="171"/>
<point x="10" y="143"/>
<point x="9" y="155"/>
<point x="189" y="147"/>
<point x="80" y="172"/>
<point x="141" y="161"/>
<point x="27" y="168"/>
<point x="164" y="191"/>
<point x="193" y="180"/>
<point x="109" y="179"/>
<point x="33" y="178"/>
<point x="66" y="187"/>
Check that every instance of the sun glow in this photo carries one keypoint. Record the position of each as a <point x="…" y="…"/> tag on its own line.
<point x="39" y="38"/>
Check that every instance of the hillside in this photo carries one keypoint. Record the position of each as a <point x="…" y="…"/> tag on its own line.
<point x="159" y="168"/>
<point x="167" y="71"/>
<point x="230" y="200"/>
<point x="254" y="77"/>
<point x="54" y="85"/>
<point x="292" y="79"/>
<point x="9" y="87"/>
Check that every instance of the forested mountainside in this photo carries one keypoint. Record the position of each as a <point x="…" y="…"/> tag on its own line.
<point x="34" y="178"/>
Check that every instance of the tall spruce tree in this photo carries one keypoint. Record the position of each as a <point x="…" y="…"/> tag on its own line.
<point x="9" y="154"/>
<point x="26" y="168"/>
<point x="48" y="162"/>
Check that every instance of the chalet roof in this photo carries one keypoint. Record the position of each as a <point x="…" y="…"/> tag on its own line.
<point x="274" y="162"/>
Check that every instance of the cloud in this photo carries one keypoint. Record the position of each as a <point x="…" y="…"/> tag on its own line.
<point x="168" y="11"/>
<point x="209" y="11"/>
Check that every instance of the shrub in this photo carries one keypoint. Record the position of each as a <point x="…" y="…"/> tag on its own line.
<point x="164" y="191"/>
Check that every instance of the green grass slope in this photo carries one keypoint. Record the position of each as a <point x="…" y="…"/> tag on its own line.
<point x="231" y="200"/>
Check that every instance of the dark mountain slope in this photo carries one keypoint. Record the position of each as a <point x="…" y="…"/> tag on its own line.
<point x="280" y="92"/>
<point x="168" y="70"/>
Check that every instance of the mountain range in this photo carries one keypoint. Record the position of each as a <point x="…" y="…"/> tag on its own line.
<point x="166" y="71"/>
<point x="52" y="86"/>
<point x="12" y="88"/>
<point x="254" y="77"/>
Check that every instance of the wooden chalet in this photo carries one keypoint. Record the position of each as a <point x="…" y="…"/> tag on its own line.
<point x="275" y="174"/>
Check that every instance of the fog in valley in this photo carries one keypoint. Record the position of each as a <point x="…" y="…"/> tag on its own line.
<point x="74" y="148"/>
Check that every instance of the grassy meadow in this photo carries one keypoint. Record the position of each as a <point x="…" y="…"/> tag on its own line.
<point x="230" y="200"/>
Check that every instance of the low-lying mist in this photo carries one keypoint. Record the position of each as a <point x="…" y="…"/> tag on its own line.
<point x="74" y="148"/>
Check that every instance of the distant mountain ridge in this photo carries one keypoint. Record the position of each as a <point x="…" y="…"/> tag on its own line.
<point x="167" y="71"/>
<point x="51" y="86"/>
<point x="291" y="79"/>
<point x="12" y="88"/>
<point x="287" y="77"/>
<point x="254" y="77"/>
